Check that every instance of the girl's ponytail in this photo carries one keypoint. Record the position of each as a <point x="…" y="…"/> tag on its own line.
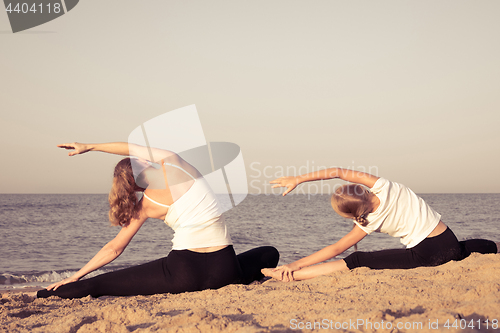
<point x="352" y="201"/>
<point x="361" y="220"/>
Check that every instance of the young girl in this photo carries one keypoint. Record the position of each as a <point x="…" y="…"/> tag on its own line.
<point x="386" y="207"/>
<point x="202" y="255"/>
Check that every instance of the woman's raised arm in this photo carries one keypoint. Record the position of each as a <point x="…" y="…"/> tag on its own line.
<point x="352" y="176"/>
<point x="108" y="253"/>
<point x="118" y="148"/>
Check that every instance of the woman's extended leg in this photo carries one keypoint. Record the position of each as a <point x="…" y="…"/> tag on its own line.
<point x="252" y="261"/>
<point x="146" y="279"/>
<point x="180" y="271"/>
<point x="478" y="245"/>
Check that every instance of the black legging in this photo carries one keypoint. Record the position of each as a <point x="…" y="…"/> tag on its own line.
<point x="431" y="251"/>
<point x="180" y="271"/>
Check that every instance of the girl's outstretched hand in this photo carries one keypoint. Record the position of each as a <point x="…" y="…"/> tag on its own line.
<point x="289" y="182"/>
<point x="286" y="272"/>
<point x="283" y="273"/>
<point x="78" y="148"/>
<point x="56" y="285"/>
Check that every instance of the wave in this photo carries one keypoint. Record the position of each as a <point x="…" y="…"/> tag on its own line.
<point x="43" y="279"/>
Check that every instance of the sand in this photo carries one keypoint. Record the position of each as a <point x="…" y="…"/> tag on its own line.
<point x="424" y="299"/>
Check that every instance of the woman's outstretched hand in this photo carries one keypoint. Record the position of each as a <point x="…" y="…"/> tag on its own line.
<point x="78" y="148"/>
<point x="56" y="285"/>
<point x="289" y="182"/>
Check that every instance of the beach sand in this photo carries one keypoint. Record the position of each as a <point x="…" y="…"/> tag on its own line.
<point x="362" y="300"/>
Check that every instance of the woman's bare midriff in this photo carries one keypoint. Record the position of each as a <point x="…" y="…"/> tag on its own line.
<point x="208" y="249"/>
<point x="438" y="230"/>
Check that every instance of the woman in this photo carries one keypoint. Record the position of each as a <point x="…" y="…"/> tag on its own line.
<point x="202" y="255"/>
<point x="387" y="207"/>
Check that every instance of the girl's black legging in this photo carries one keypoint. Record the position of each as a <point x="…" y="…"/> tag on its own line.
<point x="431" y="251"/>
<point x="180" y="271"/>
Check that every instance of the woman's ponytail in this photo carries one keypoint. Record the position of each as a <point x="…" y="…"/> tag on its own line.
<point x="123" y="202"/>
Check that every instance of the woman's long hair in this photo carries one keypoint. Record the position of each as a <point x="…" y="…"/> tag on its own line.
<point x="352" y="200"/>
<point x="123" y="202"/>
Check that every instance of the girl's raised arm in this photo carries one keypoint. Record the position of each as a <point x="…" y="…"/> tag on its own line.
<point x="352" y="176"/>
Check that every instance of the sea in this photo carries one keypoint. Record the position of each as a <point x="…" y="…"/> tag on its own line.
<point x="47" y="237"/>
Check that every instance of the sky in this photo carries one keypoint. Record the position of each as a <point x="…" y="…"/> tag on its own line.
<point x="407" y="90"/>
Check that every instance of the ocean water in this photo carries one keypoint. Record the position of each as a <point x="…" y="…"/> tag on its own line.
<point x="47" y="237"/>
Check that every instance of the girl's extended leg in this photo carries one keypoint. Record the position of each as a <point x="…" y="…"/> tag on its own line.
<point x="431" y="251"/>
<point x="311" y="271"/>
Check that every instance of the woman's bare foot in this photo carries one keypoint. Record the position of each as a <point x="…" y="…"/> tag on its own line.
<point x="271" y="273"/>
